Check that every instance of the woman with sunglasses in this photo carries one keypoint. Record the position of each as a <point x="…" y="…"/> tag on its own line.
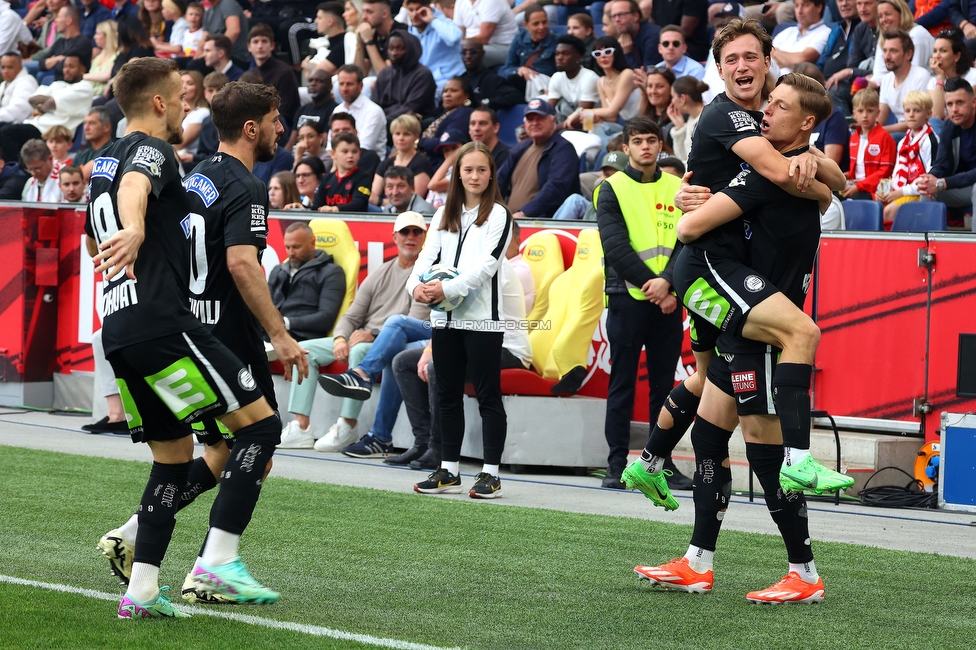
<point x="950" y="58"/>
<point x="619" y="100"/>
<point x="308" y="172"/>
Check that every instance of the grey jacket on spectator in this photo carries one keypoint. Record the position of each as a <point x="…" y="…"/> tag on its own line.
<point x="311" y="298"/>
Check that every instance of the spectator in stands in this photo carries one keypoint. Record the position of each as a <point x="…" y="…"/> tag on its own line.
<point x="950" y="58"/>
<point x="398" y="186"/>
<point x="345" y="123"/>
<point x="346" y="188"/>
<point x="440" y="40"/>
<point x="530" y="63"/>
<point x="619" y="99"/>
<point x="41" y="19"/>
<point x="124" y="9"/>
<point x="370" y="118"/>
<point x="905" y="76"/>
<point x="274" y="71"/>
<point x="195" y="98"/>
<point x="173" y="13"/>
<point x="590" y="180"/>
<point x="541" y="171"/>
<point x="404" y="87"/>
<point x="404" y="130"/>
<point x="657" y="97"/>
<point x="43" y="183"/>
<point x="151" y="17"/>
<point x="379" y="297"/>
<point x="860" y="57"/>
<point x="97" y="129"/>
<point x="522" y="272"/>
<point x="834" y="55"/>
<point x="208" y="140"/>
<point x="374" y="32"/>
<point x="876" y="147"/>
<point x="447" y="149"/>
<point x="319" y="110"/>
<point x="456" y="107"/>
<point x="93" y="13"/>
<point x="195" y="33"/>
<point x="952" y="179"/>
<point x="133" y="43"/>
<point x="581" y="26"/>
<point x="12" y="179"/>
<point x="962" y="13"/>
<point x="216" y="54"/>
<point x="804" y="41"/>
<point x="107" y="41"/>
<point x="59" y="139"/>
<point x="483" y="127"/>
<point x="491" y="23"/>
<point x="308" y="288"/>
<point x="579" y="208"/>
<point x="13" y="30"/>
<point x="833" y="135"/>
<point x="308" y="174"/>
<point x="64" y="102"/>
<point x="487" y="88"/>
<point x="771" y="13"/>
<point x="572" y="88"/>
<point x="226" y="18"/>
<point x="638" y="38"/>
<point x="691" y="19"/>
<point x="933" y="15"/>
<point x="311" y="142"/>
<point x="895" y="14"/>
<point x="671" y="165"/>
<point x="673" y="50"/>
<point x="352" y="14"/>
<point x="916" y="153"/>
<point x="342" y="44"/>
<point x="16" y="89"/>
<point x="71" y="41"/>
<point x="686" y="99"/>
<point x="71" y="182"/>
<point x="282" y="190"/>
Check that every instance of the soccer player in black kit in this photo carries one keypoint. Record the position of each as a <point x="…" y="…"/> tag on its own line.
<point x="170" y="369"/>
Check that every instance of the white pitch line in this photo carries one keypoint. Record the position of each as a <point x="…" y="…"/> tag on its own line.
<point x="311" y="630"/>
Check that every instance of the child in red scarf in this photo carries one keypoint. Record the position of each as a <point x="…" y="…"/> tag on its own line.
<point x="916" y="151"/>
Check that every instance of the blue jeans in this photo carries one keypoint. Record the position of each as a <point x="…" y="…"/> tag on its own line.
<point x="572" y="209"/>
<point x="397" y="334"/>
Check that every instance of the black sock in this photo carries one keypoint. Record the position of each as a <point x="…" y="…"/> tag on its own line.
<point x="682" y="405"/>
<point x="157" y="511"/>
<point x="788" y="510"/>
<point x="791" y="392"/>
<point x="713" y="481"/>
<point x="240" y="482"/>
<point x="201" y="479"/>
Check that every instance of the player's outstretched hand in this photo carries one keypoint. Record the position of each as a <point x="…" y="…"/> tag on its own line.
<point x="691" y="197"/>
<point x="290" y="354"/>
<point x="804" y="169"/>
<point x="119" y="252"/>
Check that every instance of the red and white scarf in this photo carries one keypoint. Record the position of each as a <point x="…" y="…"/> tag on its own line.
<point x="908" y="165"/>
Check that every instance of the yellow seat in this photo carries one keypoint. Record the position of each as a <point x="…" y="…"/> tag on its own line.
<point x="333" y="236"/>
<point x="544" y="256"/>
<point x="575" y="307"/>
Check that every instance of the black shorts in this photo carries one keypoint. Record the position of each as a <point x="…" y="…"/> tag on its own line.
<point x="210" y="432"/>
<point x="717" y="292"/>
<point x="169" y="383"/>
<point x="748" y="379"/>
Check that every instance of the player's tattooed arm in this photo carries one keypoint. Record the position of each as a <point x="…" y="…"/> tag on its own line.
<point x="242" y="262"/>
<point x="719" y="209"/>
<point x="121" y="249"/>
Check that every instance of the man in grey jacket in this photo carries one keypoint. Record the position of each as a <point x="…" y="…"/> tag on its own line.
<point x="309" y="287"/>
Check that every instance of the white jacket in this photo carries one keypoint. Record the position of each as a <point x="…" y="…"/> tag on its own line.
<point x="482" y="251"/>
<point x="72" y="103"/>
<point x="516" y="338"/>
<point x="12" y="29"/>
<point x="14" y="107"/>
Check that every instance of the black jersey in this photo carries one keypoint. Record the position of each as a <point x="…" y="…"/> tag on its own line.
<point x="155" y="304"/>
<point x="721" y="125"/>
<point x="350" y="193"/>
<point x="228" y="207"/>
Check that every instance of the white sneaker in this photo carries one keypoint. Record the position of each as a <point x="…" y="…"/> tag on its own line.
<point x="295" y="437"/>
<point x="340" y="435"/>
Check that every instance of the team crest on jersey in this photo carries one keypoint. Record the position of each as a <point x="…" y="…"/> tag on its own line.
<point x="259" y="221"/>
<point x="105" y="168"/>
<point x="754" y="283"/>
<point x="202" y="187"/>
<point x="874" y="149"/>
<point x="151" y="158"/>
<point x="245" y="380"/>
<point x="742" y="121"/>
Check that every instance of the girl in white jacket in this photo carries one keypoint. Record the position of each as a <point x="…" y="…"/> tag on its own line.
<point x="470" y="232"/>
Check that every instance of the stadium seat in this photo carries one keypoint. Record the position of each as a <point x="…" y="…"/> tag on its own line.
<point x="575" y="307"/>
<point x="510" y="119"/>
<point x="920" y="216"/>
<point x="559" y="30"/>
<point x="544" y="256"/>
<point x="333" y="236"/>
<point x="863" y="215"/>
<point x="780" y="27"/>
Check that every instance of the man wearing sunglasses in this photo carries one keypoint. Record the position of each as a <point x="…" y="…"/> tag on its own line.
<point x="673" y="50"/>
<point x="380" y="303"/>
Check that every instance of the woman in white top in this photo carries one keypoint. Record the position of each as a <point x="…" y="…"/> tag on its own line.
<point x="950" y="58"/>
<point x="107" y="40"/>
<point x="619" y="100"/>
<point x="895" y="14"/>
<point x="199" y="110"/>
<point x="686" y="99"/>
<point x="471" y="232"/>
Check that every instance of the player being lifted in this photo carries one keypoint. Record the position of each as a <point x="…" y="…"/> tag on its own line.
<point x="727" y="141"/>
<point x="170" y="369"/>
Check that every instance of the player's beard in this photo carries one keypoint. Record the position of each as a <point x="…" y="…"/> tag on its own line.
<point x="265" y="151"/>
<point x="174" y="132"/>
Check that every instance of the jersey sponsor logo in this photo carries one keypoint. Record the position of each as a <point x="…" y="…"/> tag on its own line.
<point x="744" y="382"/>
<point x="185" y="224"/>
<point x="245" y="380"/>
<point x="742" y="121"/>
<point x="747" y="229"/>
<point x="259" y="220"/>
<point x="151" y="158"/>
<point x="105" y="168"/>
<point x="307" y="119"/>
<point x="754" y="283"/>
<point x="363" y="190"/>
<point x="202" y="187"/>
<point x="874" y="149"/>
<point x="740" y="178"/>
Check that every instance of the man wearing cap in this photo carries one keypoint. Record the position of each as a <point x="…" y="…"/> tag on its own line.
<point x="541" y="171"/>
<point x="578" y="207"/>
<point x="379" y="299"/>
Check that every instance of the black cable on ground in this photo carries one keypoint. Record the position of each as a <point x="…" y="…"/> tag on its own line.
<point x="894" y="496"/>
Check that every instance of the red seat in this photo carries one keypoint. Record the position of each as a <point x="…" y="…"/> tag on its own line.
<point x="520" y="382"/>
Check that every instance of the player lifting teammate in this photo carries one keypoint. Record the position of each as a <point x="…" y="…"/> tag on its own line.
<point x="171" y="370"/>
<point x="730" y="125"/>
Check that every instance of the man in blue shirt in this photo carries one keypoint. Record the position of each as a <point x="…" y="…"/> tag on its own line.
<point x="92" y="13"/>
<point x="638" y="37"/>
<point x="440" y="38"/>
<point x="672" y="48"/>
